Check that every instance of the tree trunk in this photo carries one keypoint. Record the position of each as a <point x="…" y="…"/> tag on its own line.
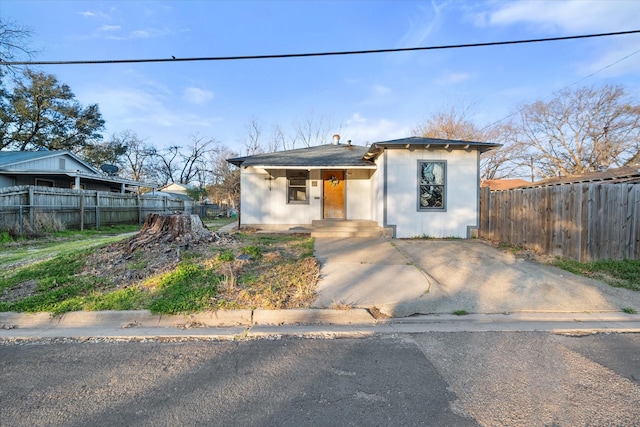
<point x="180" y="230"/>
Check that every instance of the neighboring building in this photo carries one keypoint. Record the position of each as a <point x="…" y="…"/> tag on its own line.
<point x="413" y="186"/>
<point x="504" y="184"/>
<point x="625" y="174"/>
<point x="60" y="169"/>
<point x="178" y="191"/>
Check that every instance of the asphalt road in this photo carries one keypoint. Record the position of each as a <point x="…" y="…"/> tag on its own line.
<point x="427" y="379"/>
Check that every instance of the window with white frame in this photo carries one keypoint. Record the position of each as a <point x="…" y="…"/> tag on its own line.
<point x="297" y="186"/>
<point x="431" y="185"/>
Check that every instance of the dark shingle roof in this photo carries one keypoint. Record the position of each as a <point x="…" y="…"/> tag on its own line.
<point x="321" y="156"/>
<point x="351" y="155"/>
<point x="421" y="142"/>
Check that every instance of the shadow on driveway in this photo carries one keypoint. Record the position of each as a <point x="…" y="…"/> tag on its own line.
<point x="405" y="277"/>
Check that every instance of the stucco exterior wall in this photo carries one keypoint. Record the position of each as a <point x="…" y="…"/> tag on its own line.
<point x="358" y="194"/>
<point x="264" y="198"/>
<point x="461" y="194"/>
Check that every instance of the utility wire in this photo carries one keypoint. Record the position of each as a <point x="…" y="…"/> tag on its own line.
<point x="305" y="55"/>
<point x="566" y="87"/>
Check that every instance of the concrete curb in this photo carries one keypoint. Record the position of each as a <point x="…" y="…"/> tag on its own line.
<point x="211" y="319"/>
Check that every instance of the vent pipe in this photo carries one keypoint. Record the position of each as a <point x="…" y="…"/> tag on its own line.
<point x="336" y="139"/>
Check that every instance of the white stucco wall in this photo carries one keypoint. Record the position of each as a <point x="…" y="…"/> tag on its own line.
<point x="358" y="194"/>
<point x="461" y="199"/>
<point x="264" y="198"/>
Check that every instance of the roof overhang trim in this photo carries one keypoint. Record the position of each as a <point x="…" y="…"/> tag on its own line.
<point x="327" y="167"/>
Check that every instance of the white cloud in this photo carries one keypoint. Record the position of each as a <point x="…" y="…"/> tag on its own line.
<point x="422" y="26"/>
<point x="452" y="78"/>
<point x="197" y="96"/>
<point x="362" y="130"/>
<point x="89" y="14"/>
<point x="381" y="90"/>
<point x="568" y="16"/>
<point x="150" y="114"/>
<point x="109" y="28"/>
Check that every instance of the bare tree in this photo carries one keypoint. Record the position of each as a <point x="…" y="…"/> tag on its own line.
<point x="453" y="123"/>
<point x="312" y="131"/>
<point x="252" y="142"/>
<point x="166" y="164"/>
<point x="138" y="156"/>
<point x="13" y="43"/>
<point x="580" y="130"/>
<point x="193" y="161"/>
<point x="507" y="161"/>
<point x="184" y="165"/>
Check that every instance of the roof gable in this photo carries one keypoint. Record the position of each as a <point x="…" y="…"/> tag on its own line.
<point x="12" y="159"/>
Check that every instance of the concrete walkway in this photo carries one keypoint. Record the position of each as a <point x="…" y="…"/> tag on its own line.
<point x="405" y="277"/>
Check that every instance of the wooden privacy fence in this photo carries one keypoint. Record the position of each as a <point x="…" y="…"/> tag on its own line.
<point x="584" y="222"/>
<point x="80" y="208"/>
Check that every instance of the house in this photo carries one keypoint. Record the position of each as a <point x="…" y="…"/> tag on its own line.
<point x="504" y="184"/>
<point x="411" y="187"/>
<point x="61" y="169"/>
<point x="178" y="191"/>
<point x="623" y="175"/>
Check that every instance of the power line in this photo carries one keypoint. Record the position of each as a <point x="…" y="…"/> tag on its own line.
<point x="566" y="87"/>
<point x="306" y="55"/>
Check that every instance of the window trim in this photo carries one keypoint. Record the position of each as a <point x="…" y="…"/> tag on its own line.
<point x="444" y="186"/>
<point x="289" y="186"/>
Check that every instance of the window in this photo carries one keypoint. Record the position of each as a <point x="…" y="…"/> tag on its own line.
<point x="297" y="186"/>
<point x="44" y="183"/>
<point x="431" y="185"/>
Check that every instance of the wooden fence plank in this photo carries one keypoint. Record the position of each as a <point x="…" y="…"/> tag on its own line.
<point x="81" y="208"/>
<point x="585" y="222"/>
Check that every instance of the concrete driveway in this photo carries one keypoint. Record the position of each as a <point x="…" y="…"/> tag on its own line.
<point x="405" y="277"/>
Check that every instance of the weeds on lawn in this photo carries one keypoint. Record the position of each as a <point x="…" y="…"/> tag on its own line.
<point x="282" y="273"/>
<point x="618" y="273"/>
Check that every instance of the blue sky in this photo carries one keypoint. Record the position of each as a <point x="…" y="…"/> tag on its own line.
<point x="365" y="98"/>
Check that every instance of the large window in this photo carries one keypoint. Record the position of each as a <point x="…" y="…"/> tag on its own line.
<point x="431" y="185"/>
<point x="297" y="190"/>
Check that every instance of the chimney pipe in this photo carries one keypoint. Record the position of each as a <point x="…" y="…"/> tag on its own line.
<point x="336" y="139"/>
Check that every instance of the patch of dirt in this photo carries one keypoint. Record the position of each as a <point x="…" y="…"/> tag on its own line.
<point x="151" y="252"/>
<point x="521" y="252"/>
<point x="20" y="291"/>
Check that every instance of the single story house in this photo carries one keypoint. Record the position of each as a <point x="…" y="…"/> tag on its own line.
<point x="411" y="187"/>
<point x="178" y="191"/>
<point x="60" y="169"/>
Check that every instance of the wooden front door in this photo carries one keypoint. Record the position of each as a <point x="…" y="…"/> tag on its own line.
<point x="333" y="193"/>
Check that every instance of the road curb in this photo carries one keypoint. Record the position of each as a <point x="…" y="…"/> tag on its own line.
<point x="220" y="318"/>
<point x="308" y="323"/>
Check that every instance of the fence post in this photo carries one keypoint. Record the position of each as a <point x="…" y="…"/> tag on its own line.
<point x="30" y="203"/>
<point x="139" y="203"/>
<point x="97" y="210"/>
<point x="81" y="212"/>
<point x="20" y="219"/>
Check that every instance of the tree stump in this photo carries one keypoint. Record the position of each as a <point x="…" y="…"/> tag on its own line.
<point x="180" y="230"/>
